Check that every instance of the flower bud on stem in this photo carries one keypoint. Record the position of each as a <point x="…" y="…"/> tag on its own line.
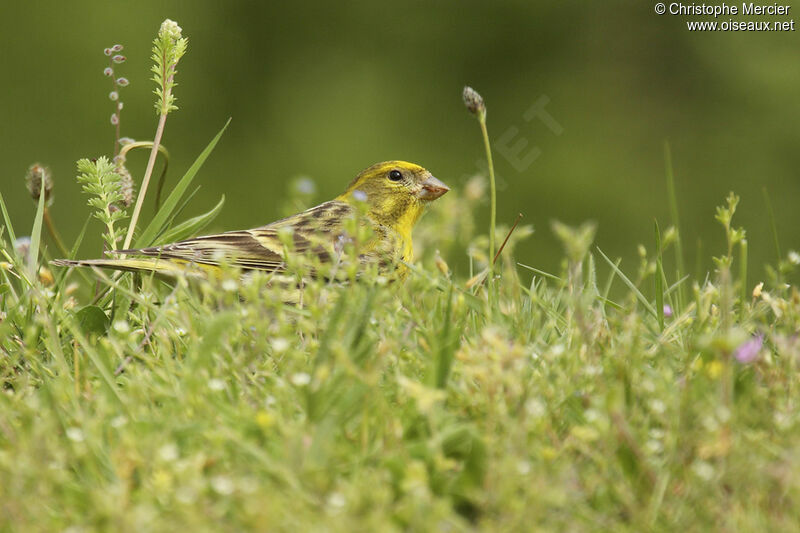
<point x="474" y="103"/>
<point x="39" y="180"/>
<point x="168" y="48"/>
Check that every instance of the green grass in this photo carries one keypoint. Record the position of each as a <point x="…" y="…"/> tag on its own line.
<point x="412" y="405"/>
<point x="507" y="400"/>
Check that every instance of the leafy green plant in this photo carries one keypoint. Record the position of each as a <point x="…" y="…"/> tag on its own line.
<point x="100" y="179"/>
<point x="168" y="48"/>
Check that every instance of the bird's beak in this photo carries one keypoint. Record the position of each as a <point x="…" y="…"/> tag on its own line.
<point x="432" y="189"/>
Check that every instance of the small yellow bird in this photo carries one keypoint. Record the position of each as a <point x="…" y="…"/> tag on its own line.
<point x="393" y="194"/>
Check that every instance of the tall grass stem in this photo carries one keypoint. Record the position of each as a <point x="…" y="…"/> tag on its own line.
<point x="673" y="209"/>
<point x="659" y="280"/>
<point x="492" y="188"/>
<point x="51" y="228"/>
<point x="743" y="277"/>
<point x="146" y="180"/>
<point x="774" y="228"/>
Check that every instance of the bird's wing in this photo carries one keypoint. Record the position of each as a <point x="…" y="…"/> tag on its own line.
<point x="312" y="233"/>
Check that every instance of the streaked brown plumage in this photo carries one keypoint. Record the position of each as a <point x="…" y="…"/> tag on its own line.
<point x="393" y="195"/>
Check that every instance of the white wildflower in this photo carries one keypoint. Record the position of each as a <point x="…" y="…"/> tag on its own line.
<point x="703" y="470"/>
<point x="222" y="485"/>
<point x="301" y="379"/>
<point x="171" y="29"/>
<point x="280" y="345"/>
<point x="75" y="434"/>
<point x="337" y="500"/>
<point x="168" y="452"/>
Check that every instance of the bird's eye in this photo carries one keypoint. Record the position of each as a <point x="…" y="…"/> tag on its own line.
<point x="395" y="175"/>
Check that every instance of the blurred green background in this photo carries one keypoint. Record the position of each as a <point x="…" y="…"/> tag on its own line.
<point x="325" y="89"/>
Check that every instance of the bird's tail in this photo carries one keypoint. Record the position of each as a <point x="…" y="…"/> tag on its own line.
<point x="145" y="264"/>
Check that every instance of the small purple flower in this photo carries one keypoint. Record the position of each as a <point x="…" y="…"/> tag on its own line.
<point x="118" y="58"/>
<point x="116" y="48"/>
<point x="667" y="311"/>
<point x="108" y="71"/>
<point x="747" y="352"/>
<point x="122" y="82"/>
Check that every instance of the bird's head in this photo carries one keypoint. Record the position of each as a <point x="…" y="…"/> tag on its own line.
<point x="396" y="192"/>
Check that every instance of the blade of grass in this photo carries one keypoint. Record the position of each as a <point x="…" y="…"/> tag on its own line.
<point x="36" y="238"/>
<point x="673" y="209"/>
<point x="191" y="226"/>
<point x="446" y="348"/>
<point x="773" y="226"/>
<point x="540" y="272"/>
<point x="469" y="298"/>
<point x="610" y="281"/>
<point x="639" y="296"/>
<point x="94" y="357"/>
<point x="155" y="226"/>
<point x="177" y="212"/>
<point x="7" y="221"/>
<point x="743" y="277"/>
<point x="551" y="311"/>
<point x="675" y="285"/>
<point x="73" y="252"/>
<point x="612" y="303"/>
<point x="591" y="274"/>
<point x="659" y="279"/>
<point x="53" y="231"/>
<point x="9" y="285"/>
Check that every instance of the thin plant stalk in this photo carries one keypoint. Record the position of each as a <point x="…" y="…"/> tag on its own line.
<point x="164" y="152"/>
<point x="742" y="278"/>
<point x="474" y="103"/>
<point x="51" y="228"/>
<point x="146" y="180"/>
<point x="659" y="281"/>
<point x="500" y="250"/>
<point x="492" y="186"/>
<point x="673" y="208"/>
<point x="508" y="236"/>
<point x="774" y="228"/>
<point x="168" y="47"/>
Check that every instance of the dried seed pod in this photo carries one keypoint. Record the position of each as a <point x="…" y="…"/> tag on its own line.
<point x="125" y="185"/>
<point x="39" y="176"/>
<point x="473" y="101"/>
